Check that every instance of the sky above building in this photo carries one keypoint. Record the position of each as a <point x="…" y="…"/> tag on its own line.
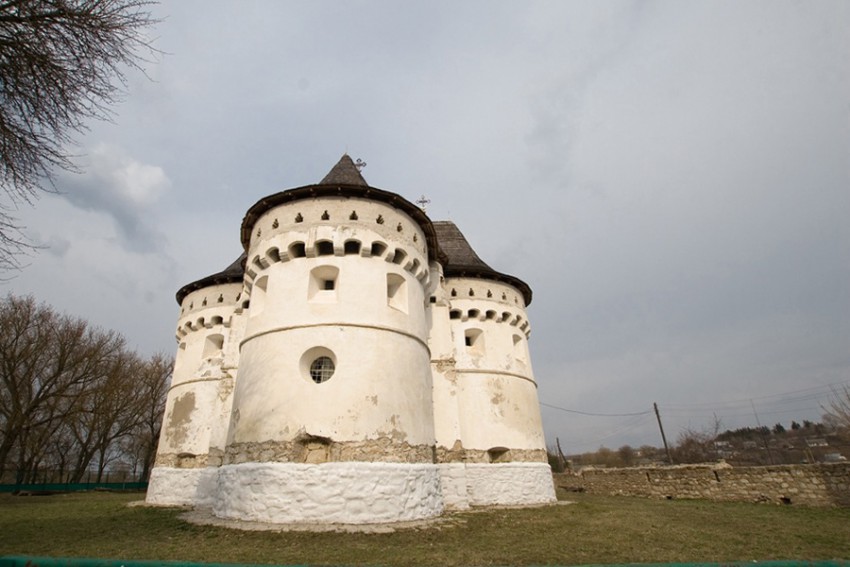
<point x="672" y="179"/>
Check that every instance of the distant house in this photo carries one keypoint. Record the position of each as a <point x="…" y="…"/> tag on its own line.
<point x="816" y="442"/>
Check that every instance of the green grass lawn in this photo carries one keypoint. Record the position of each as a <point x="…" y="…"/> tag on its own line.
<point x="594" y="529"/>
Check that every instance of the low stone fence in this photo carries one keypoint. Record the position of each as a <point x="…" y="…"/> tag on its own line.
<point x="810" y="485"/>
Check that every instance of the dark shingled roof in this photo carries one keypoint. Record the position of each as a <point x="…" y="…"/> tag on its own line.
<point x="344" y="173"/>
<point x="231" y="274"/>
<point x="343" y="180"/>
<point x="464" y="262"/>
<point x="445" y="241"/>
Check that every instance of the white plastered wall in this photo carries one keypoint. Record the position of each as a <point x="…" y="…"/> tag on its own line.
<point x="171" y="486"/>
<point x="344" y="492"/>
<point x="196" y="403"/>
<point x="495" y="394"/>
<point x="509" y="484"/>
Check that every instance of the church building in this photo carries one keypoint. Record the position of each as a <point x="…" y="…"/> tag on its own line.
<point x="359" y="363"/>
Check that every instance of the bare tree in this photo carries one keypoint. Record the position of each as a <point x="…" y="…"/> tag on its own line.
<point x="838" y="407"/>
<point x="47" y="362"/>
<point x="152" y="389"/>
<point x="62" y="63"/>
<point x="107" y="411"/>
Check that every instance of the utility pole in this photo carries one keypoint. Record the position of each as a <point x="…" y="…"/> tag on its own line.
<point x="562" y="460"/>
<point x="763" y="437"/>
<point x="663" y="437"/>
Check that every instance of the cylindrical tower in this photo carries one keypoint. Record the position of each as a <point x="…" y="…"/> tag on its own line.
<point x="332" y="417"/>
<point x="199" y="400"/>
<point x="499" y="451"/>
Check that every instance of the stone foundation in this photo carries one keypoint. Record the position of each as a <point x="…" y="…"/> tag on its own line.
<point x="811" y="485"/>
<point x="328" y="493"/>
<point x="319" y="450"/>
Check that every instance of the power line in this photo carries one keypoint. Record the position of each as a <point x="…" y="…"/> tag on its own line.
<point x="810" y="393"/>
<point x="596" y="414"/>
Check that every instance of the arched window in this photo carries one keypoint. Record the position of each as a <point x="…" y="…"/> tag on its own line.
<point x="378" y="248"/>
<point x="397" y="292"/>
<point x="352" y="247"/>
<point x="258" y="295"/>
<point x="324" y="248"/>
<point x="297" y="250"/>
<point x="323" y="284"/>
<point x="474" y="341"/>
<point x="273" y="254"/>
<point x="399" y="256"/>
<point x="213" y="345"/>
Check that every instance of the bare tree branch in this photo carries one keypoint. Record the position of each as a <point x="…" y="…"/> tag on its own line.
<point x="62" y="64"/>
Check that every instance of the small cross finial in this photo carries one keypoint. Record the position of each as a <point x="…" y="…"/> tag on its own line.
<point x="423" y="202"/>
<point x="359" y="164"/>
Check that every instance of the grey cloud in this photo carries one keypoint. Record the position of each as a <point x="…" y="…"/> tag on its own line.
<point x="670" y="178"/>
<point x="123" y="188"/>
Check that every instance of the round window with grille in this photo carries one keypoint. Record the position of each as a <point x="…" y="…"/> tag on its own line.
<point x="321" y="369"/>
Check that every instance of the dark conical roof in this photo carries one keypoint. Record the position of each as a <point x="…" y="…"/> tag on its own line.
<point x="343" y="180"/>
<point x="456" y="247"/>
<point x="464" y="262"/>
<point x="231" y="274"/>
<point x="344" y="173"/>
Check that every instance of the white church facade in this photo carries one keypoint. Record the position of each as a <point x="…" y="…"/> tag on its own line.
<point x="358" y="364"/>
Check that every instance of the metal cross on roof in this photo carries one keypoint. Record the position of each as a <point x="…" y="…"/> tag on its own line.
<point x="359" y="164"/>
<point x="422" y="202"/>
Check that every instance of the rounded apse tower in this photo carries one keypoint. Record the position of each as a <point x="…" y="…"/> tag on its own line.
<point x="198" y="404"/>
<point x="489" y="433"/>
<point x="332" y="417"/>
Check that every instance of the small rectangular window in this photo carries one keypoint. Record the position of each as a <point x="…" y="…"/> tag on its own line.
<point x="328" y="285"/>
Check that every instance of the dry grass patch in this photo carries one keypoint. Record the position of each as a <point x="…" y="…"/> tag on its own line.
<point x="593" y="530"/>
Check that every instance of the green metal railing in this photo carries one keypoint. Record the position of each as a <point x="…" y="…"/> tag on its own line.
<point x="72" y="487"/>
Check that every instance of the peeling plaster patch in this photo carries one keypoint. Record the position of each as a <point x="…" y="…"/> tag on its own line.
<point x="181" y="417"/>
<point x="446" y="368"/>
<point x="225" y="386"/>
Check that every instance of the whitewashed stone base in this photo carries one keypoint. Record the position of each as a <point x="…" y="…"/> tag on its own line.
<point x="453" y="481"/>
<point x="509" y="484"/>
<point x="182" y="487"/>
<point x="331" y="493"/>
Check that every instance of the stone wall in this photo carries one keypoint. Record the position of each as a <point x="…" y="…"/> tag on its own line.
<point x="810" y="485"/>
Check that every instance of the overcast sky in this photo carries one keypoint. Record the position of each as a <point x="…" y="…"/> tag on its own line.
<point x="672" y="179"/>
